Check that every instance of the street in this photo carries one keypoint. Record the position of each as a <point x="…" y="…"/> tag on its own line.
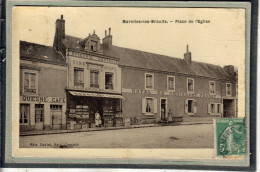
<point x="181" y="136"/>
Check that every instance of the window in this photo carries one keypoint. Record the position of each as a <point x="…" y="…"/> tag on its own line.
<point x="215" y="108"/>
<point x="94" y="46"/>
<point x="190" y="85"/>
<point x="218" y="108"/>
<point x="212" y="87"/>
<point x="94" y="79"/>
<point x="109" y="81"/>
<point x="212" y="108"/>
<point x="39" y="109"/>
<point x="56" y="107"/>
<point x="24" y="113"/>
<point x="228" y="89"/>
<point x="149" y="105"/>
<point x="30" y="82"/>
<point x="78" y="77"/>
<point x="149" y="81"/>
<point x="170" y="83"/>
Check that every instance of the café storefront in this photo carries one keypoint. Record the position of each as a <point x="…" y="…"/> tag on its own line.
<point x="42" y="113"/>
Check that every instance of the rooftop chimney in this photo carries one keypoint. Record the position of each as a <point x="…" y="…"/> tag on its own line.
<point x="107" y="41"/>
<point x="187" y="55"/>
<point x="59" y="34"/>
<point x="229" y="69"/>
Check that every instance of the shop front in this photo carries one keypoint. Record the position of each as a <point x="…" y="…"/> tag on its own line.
<point x="42" y="113"/>
<point x="93" y="109"/>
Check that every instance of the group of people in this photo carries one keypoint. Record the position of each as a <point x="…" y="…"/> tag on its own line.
<point x="169" y="117"/>
<point x="98" y="121"/>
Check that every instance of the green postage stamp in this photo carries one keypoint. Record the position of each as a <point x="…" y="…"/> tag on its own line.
<point x="230" y="136"/>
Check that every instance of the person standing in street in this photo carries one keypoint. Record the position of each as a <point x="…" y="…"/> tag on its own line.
<point x="97" y="119"/>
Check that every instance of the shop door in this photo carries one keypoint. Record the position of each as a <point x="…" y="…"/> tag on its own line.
<point x="228" y="108"/>
<point x="56" y="115"/>
<point x="190" y="106"/>
<point x="39" y="114"/>
<point x="163" y="109"/>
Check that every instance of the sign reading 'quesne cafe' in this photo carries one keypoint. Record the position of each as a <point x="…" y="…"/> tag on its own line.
<point x="43" y="99"/>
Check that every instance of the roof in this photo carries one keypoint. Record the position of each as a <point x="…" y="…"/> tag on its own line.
<point x="42" y="53"/>
<point x="145" y="60"/>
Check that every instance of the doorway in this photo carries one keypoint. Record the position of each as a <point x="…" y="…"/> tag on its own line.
<point x="56" y="115"/>
<point x="163" y="108"/>
<point x="39" y="115"/>
<point x="190" y="106"/>
<point x="229" y="108"/>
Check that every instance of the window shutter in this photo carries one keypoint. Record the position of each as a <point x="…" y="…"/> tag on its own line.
<point x="155" y="105"/>
<point x="221" y="108"/>
<point x="186" y="106"/>
<point x="195" y="107"/>
<point x="209" y="108"/>
<point x="143" y="105"/>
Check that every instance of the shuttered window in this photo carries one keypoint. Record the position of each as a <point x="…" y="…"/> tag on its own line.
<point x="215" y="108"/>
<point x="149" y="105"/>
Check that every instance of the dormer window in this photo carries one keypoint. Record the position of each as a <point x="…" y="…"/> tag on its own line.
<point x="92" y="43"/>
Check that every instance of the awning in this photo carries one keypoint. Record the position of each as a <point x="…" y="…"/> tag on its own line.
<point x="77" y="93"/>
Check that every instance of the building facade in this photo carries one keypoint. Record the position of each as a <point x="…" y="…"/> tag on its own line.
<point x="124" y="86"/>
<point x="42" y="98"/>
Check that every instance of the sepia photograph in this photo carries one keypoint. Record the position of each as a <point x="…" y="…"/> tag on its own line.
<point x="121" y="96"/>
<point x="130" y="79"/>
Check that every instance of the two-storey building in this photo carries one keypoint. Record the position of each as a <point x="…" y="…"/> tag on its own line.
<point x="43" y="77"/>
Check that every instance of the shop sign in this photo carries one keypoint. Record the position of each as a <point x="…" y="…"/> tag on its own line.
<point x="180" y="94"/>
<point x="43" y="99"/>
<point x="95" y="89"/>
<point x="89" y="57"/>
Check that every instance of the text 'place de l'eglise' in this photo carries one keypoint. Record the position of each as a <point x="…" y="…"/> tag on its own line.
<point x="64" y="87"/>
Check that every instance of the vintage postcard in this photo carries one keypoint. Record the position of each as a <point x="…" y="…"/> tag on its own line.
<point x="137" y="84"/>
